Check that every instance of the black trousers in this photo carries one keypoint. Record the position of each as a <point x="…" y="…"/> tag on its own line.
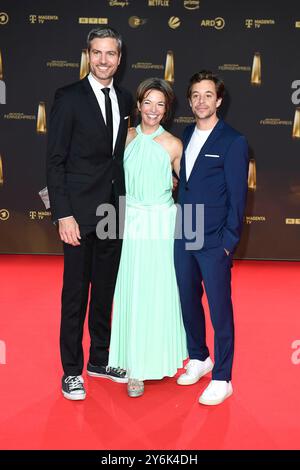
<point x="91" y="268"/>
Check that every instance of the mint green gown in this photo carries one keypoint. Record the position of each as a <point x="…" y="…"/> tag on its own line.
<point x="148" y="337"/>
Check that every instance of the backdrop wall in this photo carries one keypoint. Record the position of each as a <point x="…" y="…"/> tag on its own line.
<point x="253" y="45"/>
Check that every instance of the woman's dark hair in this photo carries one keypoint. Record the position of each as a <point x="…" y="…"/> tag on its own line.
<point x="156" y="84"/>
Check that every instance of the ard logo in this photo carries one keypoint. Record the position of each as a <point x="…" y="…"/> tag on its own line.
<point x="3" y="18"/>
<point x="217" y="23"/>
<point x="4" y="214"/>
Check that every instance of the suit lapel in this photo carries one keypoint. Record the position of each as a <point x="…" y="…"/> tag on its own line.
<point x="213" y="136"/>
<point x="91" y="97"/>
<point x="186" y="141"/>
<point x="122" y="113"/>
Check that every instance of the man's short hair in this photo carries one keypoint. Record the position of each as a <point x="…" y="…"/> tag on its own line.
<point x="104" y="32"/>
<point x="207" y="75"/>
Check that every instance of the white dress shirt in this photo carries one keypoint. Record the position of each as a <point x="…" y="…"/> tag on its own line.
<point x="196" y="143"/>
<point x="97" y="87"/>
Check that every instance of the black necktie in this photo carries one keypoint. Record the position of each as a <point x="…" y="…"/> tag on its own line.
<point x="108" y="112"/>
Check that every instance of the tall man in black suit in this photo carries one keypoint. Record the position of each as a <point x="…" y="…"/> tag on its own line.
<point x="88" y="128"/>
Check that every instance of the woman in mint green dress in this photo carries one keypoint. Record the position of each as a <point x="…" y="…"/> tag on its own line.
<point x="148" y="337"/>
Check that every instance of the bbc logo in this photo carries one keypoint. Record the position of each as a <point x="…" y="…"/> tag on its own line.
<point x="292" y="221"/>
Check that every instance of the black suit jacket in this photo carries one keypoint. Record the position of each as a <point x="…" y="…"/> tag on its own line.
<point x="81" y="171"/>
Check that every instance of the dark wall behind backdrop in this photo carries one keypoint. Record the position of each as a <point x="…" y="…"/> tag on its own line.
<point x="41" y="45"/>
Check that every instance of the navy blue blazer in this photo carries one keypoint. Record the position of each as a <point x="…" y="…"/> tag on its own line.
<point x="219" y="180"/>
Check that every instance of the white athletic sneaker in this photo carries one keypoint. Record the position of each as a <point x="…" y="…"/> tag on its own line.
<point x="216" y="392"/>
<point x="195" y="369"/>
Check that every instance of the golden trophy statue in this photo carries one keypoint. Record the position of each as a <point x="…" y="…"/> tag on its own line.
<point x="169" y="68"/>
<point x="1" y="172"/>
<point x="256" y="70"/>
<point x="84" y="64"/>
<point x="252" y="175"/>
<point x="296" y="125"/>
<point x="41" y="126"/>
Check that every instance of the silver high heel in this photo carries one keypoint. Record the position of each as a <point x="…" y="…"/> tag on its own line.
<point x="135" y="388"/>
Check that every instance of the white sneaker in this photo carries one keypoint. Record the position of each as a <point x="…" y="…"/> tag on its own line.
<point x="216" y="392"/>
<point x="195" y="369"/>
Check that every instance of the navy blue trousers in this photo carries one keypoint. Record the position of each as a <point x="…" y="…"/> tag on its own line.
<point x="210" y="267"/>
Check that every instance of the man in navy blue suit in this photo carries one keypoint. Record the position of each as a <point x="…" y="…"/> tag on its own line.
<point x="213" y="175"/>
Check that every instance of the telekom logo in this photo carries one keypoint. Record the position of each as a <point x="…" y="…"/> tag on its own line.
<point x="2" y="352"/>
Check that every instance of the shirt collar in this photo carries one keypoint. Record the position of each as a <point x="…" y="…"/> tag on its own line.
<point x="97" y="85"/>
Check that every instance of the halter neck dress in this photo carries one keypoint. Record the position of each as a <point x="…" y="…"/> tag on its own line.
<point x="148" y="337"/>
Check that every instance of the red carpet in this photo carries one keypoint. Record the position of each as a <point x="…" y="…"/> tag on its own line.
<point x="263" y="412"/>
